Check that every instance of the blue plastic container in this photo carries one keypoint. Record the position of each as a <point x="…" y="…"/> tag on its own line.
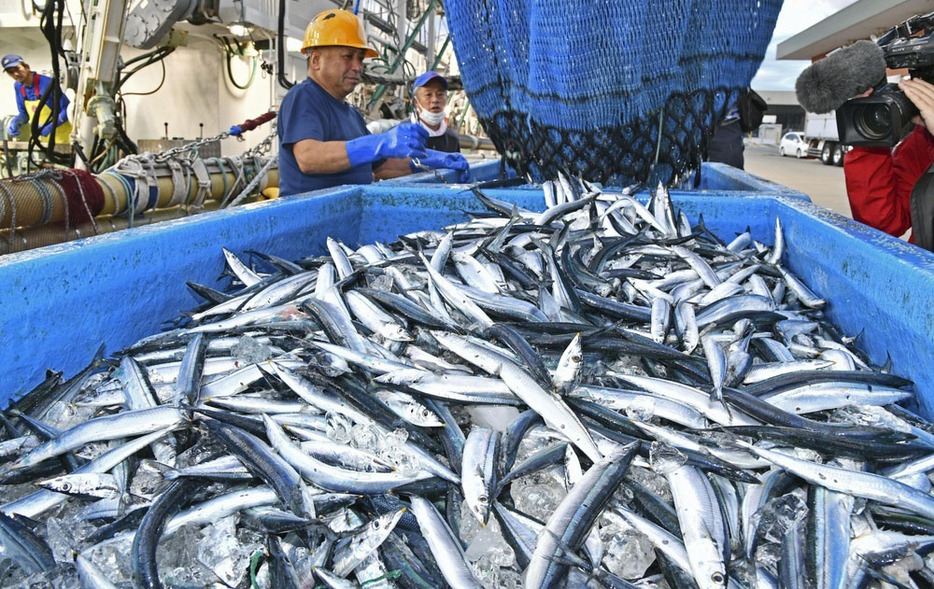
<point x="714" y="177"/>
<point x="61" y="302"/>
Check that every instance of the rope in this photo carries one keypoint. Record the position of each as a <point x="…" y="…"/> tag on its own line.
<point x="61" y="193"/>
<point x="187" y="171"/>
<point x="113" y="193"/>
<point x="249" y="187"/>
<point x="220" y="166"/>
<point x="46" y="196"/>
<point x="238" y="166"/>
<point x="12" y="208"/>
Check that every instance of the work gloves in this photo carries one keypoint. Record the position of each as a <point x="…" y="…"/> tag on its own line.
<point x="13" y="129"/>
<point x="440" y="159"/>
<point x="46" y="130"/>
<point x="406" y="140"/>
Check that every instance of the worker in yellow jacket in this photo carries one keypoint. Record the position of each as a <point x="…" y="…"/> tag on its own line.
<point x="29" y="88"/>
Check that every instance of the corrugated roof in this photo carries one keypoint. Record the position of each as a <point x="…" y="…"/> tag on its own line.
<point x="779" y="97"/>
<point x="860" y="20"/>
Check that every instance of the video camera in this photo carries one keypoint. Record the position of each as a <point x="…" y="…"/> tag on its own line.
<point x="883" y="118"/>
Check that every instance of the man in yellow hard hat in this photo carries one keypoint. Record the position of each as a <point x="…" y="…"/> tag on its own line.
<point x="323" y="141"/>
<point x="29" y="88"/>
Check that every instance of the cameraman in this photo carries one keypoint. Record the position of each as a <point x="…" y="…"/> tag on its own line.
<point x="893" y="189"/>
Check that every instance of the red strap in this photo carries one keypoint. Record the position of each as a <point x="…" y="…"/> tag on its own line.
<point x="35" y="87"/>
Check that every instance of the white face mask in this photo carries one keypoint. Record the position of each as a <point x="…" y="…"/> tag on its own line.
<point x="430" y="118"/>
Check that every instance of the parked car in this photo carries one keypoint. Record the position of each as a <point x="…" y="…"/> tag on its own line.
<point x="793" y="143"/>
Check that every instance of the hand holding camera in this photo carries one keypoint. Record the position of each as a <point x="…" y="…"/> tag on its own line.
<point x="921" y="94"/>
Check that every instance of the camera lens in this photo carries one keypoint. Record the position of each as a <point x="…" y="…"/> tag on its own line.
<point x="874" y="121"/>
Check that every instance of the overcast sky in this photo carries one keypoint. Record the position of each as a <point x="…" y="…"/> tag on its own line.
<point x="796" y="16"/>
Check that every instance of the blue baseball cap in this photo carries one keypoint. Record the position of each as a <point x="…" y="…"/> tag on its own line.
<point x="427" y="77"/>
<point x="11" y="60"/>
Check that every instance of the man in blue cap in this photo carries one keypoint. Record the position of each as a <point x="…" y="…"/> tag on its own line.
<point x="29" y="87"/>
<point x="429" y="94"/>
<point x="430" y="98"/>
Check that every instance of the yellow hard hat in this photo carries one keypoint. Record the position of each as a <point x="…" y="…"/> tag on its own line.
<point x="336" y="27"/>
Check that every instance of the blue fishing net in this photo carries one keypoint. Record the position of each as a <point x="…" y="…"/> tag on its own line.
<point x="610" y="90"/>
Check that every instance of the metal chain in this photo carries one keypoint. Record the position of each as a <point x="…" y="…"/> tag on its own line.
<point x="264" y="146"/>
<point x="190" y="149"/>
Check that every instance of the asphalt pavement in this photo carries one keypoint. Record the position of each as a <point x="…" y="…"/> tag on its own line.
<point x="824" y="184"/>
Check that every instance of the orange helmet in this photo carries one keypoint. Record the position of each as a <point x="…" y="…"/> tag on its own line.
<point x="336" y="27"/>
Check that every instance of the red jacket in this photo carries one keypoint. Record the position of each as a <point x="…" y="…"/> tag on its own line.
<point x="879" y="180"/>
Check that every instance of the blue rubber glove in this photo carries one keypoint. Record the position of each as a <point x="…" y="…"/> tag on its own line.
<point x="452" y="161"/>
<point x="13" y="129"/>
<point x="405" y="140"/>
<point x="46" y="130"/>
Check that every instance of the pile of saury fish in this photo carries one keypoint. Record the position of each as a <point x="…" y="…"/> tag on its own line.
<point x="597" y="395"/>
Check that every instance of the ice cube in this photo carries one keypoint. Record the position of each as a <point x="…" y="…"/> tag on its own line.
<point x="221" y="552"/>
<point x="147" y="482"/>
<point x="64" y="536"/>
<point x="177" y="559"/>
<point x="778" y="516"/>
<point x="483" y="541"/>
<point x="365" y="437"/>
<point x="492" y="576"/>
<point x="251" y="351"/>
<point x="538" y="495"/>
<point x="641" y="409"/>
<point x="381" y="282"/>
<point x="655" y="483"/>
<point x="338" y="428"/>
<point x="405" y="463"/>
<point x="113" y="558"/>
<point x="61" y="577"/>
<point x="394" y="439"/>
<point x="628" y="554"/>
<point x="497" y="417"/>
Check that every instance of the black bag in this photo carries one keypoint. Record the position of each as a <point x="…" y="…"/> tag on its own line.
<point x="751" y="108"/>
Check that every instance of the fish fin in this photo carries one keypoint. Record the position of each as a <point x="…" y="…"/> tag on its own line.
<point x="887" y="367"/>
<point x="167" y="472"/>
<point x="207" y="293"/>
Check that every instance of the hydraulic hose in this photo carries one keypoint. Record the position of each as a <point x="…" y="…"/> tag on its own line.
<point x="280" y="48"/>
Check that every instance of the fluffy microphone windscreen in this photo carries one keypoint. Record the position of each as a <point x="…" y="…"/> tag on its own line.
<point x="827" y="84"/>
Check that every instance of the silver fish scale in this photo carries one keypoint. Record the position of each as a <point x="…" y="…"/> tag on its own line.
<point x="624" y="323"/>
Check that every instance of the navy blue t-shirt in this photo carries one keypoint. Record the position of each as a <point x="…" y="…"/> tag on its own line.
<point x="309" y="112"/>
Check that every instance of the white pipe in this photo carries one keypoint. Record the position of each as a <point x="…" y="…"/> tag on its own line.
<point x="101" y="39"/>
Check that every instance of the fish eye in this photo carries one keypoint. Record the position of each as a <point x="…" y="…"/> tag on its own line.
<point x="66" y="487"/>
<point x="717" y="578"/>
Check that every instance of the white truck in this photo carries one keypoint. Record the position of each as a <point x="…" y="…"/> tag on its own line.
<point x="820" y="131"/>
